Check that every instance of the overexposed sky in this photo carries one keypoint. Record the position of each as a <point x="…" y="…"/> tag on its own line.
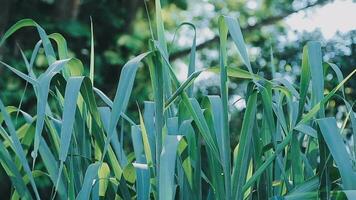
<point x="337" y="16"/>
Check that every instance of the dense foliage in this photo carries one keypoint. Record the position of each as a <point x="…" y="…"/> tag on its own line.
<point x="74" y="144"/>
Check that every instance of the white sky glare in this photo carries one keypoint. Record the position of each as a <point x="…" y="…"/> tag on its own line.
<point x="339" y="15"/>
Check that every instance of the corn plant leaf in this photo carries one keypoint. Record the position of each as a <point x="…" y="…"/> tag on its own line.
<point x="149" y="120"/>
<point x="197" y="114"/>
<point x="167" y="88"/>
<point x="312" y="112"/>
<point x="42" y="88"/>
<point x="13" y="173"/>
<point x="236" y="73"/>
<point x="105" y="114"/>
<point x="236" y="35"/>
<point x="191" y="66"/>
<point x="51" y="57"/>
<point x="242" y="158"/>
<point x="143" y="176"/>
<point x="258" y="172"/>
<point x="20" y="74"/>
<point x="304" y="82"/>
<point x="186" y="84"/>
<point x="70" y="103"/>
<point x="51" y="166"/>
<point x="308" y="186"/>
<point x="91" y="68"/>
<point x="146" y="144"/>
<point x="337" y="148"/>
<point x="194" y="109"/>
<point x="123" y="93"/>
<point x="224" y="128"/>
<point x="90" y="177"/>
<point x="308" y="130"/>
<point x="18" y="148"/>
<point x="166" y="173"/>
<point x="103" y="175"/>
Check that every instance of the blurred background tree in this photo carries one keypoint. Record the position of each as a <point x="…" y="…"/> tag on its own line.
<point x="121" y="30"/>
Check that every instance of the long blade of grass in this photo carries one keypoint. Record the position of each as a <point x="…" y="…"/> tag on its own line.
<point x="304" y="82"/>
<point x="18" y="148"/>
<point x="51" y="165"/>
<point x="268" y="161"/>
<point x="242" y="159"/>
<point x="191" y="66"/>
<point x="42" y="88"/>
<point x="236" y="73"/>
<point x="149" y="120"/>
<point x="103" y="175"/>
<point x="91" y="72"/>
<point x="312" y="112"/>
<point x="167" y="88"/>
<point x="51" y="57"/>
<point x="187" y="83"/>
<point x="70" y="103"/>
<point x="225" y="139"/>
<point x="352" y="115"/>
<point x="337" y="148"/>
<point x="105" y="114"/>
<point x="13" y="173"/>
<point x="168" y="158"/>
<point x="20" y="74"/>
<point x="123" y="94"/>
<point x="317" y="80"/>
<point x="194" y="108"/>
<point x="236" y="35"/>
<point x="143" y="176"/>
<point x="89" y="180"/>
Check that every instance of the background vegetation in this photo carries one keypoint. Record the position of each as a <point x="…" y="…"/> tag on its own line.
<point x="121" y="31"/>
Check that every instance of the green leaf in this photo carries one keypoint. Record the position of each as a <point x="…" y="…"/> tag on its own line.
<point x="91" y="72"/>
<point x="70" y="103"/>
<point x="312" y="112"/>
<point x="167" y="88"/>
<point x="225" y="134"/>
<point x="20" y="74"/>
<point x="51" y="57"/>
<point x="306" y="130"/>
<point x="258" y="172"/>
<point x="236" y="35"/>
<point x="13" y="173"/>
<point x="305" y="189"/>
<point x="316" y="69"/>
<point x="143" y="176"/>
<point x="191" y="66"/>
<point x="123" y="94"/>
<point x="149" y="120"/>
<point x="167" y="161"/>
<point x="103" y="175"/>
<point x="197" y="114"/>
<point x="89" y="180"/>
<point x="242" y="159"/>
<point x="51" y="165"/>
<point x="105" y="114"/>
<point x="337" y="148"/>
<point x="18" y="148"/>
<point x="304" y="82"/>
<point x="236" y="73"/>
<point x="42" y="90"/>
<point x="187" y="83"/>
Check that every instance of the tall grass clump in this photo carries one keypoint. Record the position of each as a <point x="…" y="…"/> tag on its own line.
<point x="181" y="147"/>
